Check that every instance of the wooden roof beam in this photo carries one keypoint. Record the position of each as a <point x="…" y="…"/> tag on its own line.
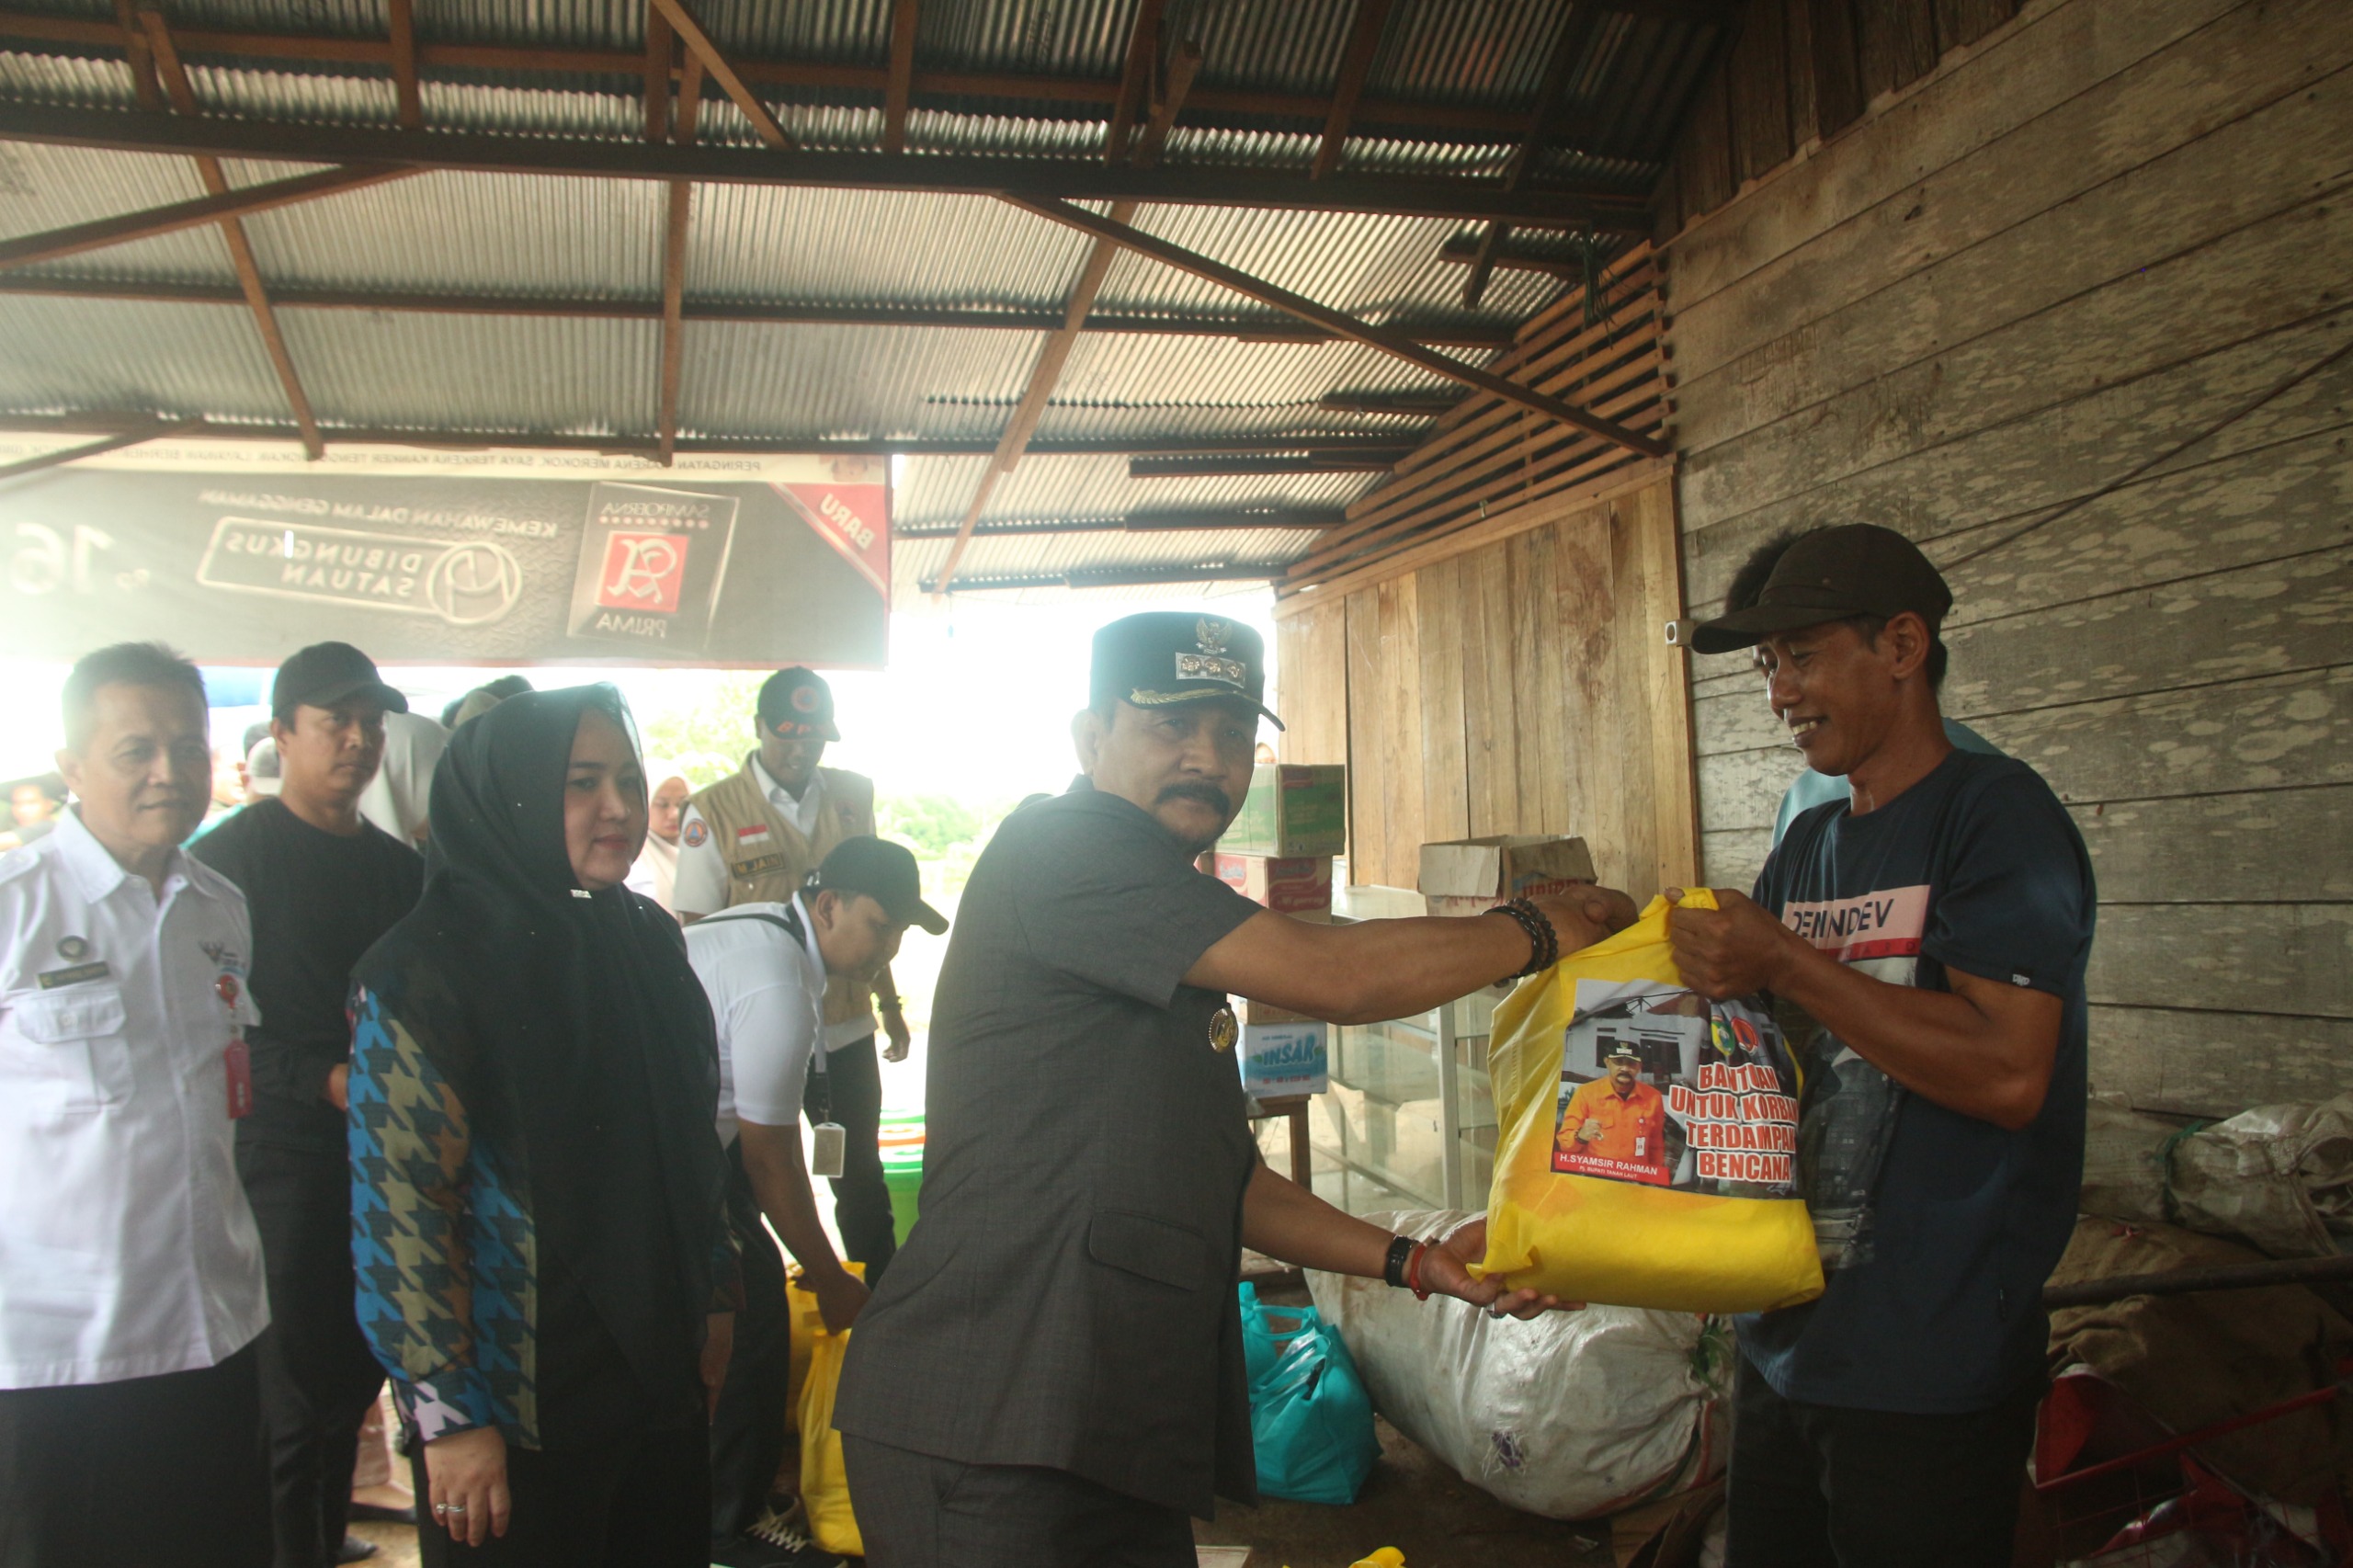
<point x="661" y="55"/>
<point x="1133" y="523"/>
<point x="172" y="217"/>
<point x="1064" y="179"/>
<point x="1464" y="251"/>
<point x="152" y="430"/>
<point x="1479" y="119"/>
<point x="1055" y="352"/>
<point x="1135" y="80"/>
<point x="598" y="308"/>
<point x="1356" y="59"/>
<point x="1220" y="467"/>
<point x="900" y="88"/>
<point x="680" y="209"/>
<point x="690" y="33"/>
<point x="1568" y="54"/>
<point x="115" y="422"/>
<point x="172" y="77"/>
<point x="1387" y="342"/>
<point x="401" y="14"/>
<point x="1122" y="577"/>
<point x="1420" y="405"/>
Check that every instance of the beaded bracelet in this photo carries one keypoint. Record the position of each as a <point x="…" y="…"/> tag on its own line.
<point x="1543" y="943"/>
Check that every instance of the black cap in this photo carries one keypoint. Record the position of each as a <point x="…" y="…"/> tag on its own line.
<point x="884" y="872"/>
<point x="327" y="673"/>
<point x="1830" y="574"/>
<point x="1621" y="1051"/>
<point x="1163" y="657"/>
<point x="798" y="703"/>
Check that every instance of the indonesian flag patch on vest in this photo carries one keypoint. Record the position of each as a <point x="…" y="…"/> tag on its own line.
<point x="757" y="833"/>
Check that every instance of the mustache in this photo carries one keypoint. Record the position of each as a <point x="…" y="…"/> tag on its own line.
<point x="1207" y="794"/>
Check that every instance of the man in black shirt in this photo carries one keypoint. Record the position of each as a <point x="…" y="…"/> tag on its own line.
<point x="1935" y="926"/>
<point x="322" y="884"/>
<point x="1052" y="1371"/>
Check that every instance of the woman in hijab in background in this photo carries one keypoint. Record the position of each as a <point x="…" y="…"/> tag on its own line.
<point x="656" y="871"/>
<point x="537" y="1185"/>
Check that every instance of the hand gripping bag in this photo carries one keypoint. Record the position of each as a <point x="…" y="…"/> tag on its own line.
<point x="1647" y="1151"/>
<point x="817" y="1355"/>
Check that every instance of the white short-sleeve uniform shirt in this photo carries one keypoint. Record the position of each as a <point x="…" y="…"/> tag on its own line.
<point x="768" y="993"/>
<point x="127" y="1249"/>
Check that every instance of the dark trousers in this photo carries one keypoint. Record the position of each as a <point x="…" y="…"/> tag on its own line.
<point x="165" y="1471"/>
<point x="641" y="1501"/>
<point x="915" y="1511"/>
<point x="318" y="1377"/>
<point x="747" y="1429"/>
<point x="1814" y="1484"/>
<point x="853" y="1080"/>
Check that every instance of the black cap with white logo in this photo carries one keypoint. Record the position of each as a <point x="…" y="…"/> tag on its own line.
<point x="1831" y="574"/>
<point x="1164" y="658"/>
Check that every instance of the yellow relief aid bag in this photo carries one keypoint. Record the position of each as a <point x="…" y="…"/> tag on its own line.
<point x="1647" y="1152"/>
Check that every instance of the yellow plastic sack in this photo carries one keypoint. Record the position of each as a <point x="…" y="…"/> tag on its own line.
<point x="816" y="1367"/>
<point x="824" y="1484"/>
<point x="1647" y="1151"/>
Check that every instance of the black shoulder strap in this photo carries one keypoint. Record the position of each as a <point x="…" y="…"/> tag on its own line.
<point x="788" y="921"/>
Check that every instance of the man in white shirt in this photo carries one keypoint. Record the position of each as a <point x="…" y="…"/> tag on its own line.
<point x="754" y="837"/>
<point x="765" y="967"/>
<point x="131" y="1271"/>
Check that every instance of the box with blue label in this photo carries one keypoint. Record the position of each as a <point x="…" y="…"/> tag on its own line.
<point x="1281" y="1060"/>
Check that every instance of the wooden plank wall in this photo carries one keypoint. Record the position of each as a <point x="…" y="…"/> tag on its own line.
<point x="2077" y="245"/>
<point x="1522" y="685"/>
<point x="1801" y="71"/>
<point x="1486" y="458"/>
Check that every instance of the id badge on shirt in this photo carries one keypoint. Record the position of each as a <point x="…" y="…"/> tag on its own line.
<point x="239" y="1062"/>
<point x="829" y="1145"/>
<point x="236" y="1061"/>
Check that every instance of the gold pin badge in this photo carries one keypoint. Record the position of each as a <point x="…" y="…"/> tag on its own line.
<point x="1223" y="1029"/>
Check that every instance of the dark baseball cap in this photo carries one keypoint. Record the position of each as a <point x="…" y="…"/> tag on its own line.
<point x="1831" y="574"/>
<point x="798" y="703"/>
<point x="327" y="673"/>
<point x="884" y="872"/>
<point x="1163" y="657"/>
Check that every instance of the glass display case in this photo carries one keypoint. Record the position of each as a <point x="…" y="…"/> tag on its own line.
<point x="1409" y="1121"/>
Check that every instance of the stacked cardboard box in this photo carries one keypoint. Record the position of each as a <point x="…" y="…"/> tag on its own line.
<point x="1470" y="876"/>
<point x="1299" y="884"/>
<point x="1291" y="811"/>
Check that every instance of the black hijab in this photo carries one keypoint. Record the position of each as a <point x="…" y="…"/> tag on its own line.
<point x="571" y="1027"/>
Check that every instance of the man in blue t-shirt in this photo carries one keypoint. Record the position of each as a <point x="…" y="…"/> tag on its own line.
<point x="1934" y="928"/>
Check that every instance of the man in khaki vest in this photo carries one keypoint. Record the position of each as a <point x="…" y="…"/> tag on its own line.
<point x="754" y="837"/>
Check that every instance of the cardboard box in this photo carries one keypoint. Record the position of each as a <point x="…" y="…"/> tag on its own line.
<point x="1286" y="1059"/>
<point x="1470" y="876"/>
<point x="1291" y="810"/>
<point x="1289" y="885"/>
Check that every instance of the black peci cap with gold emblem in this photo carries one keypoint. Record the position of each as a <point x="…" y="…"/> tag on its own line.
<point x="1163" y="657"/>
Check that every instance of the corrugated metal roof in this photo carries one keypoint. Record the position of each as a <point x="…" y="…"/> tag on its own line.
<point x="60" y="356"/>
<point x="871" y="381"/>
<point x="555" y="238"/>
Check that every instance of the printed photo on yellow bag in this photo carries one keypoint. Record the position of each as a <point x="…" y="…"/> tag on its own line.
<point x="1647" y="1153"/>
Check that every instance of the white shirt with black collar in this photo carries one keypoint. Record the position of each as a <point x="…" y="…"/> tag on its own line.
<point x="127" y="1249"/>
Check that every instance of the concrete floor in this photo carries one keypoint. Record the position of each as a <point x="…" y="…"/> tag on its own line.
<point x="1411" y="1503"/>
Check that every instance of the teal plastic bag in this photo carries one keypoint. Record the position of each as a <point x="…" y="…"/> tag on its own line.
<point x="1260" y="1348"/>
<point x="1310" y="1419"/>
